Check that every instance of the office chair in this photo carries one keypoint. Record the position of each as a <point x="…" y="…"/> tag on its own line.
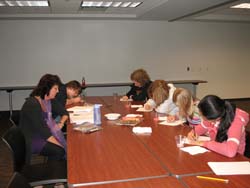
<point x="247" y="147"/>
<point x="6" y="165"/>
<point x="36" y="174"/>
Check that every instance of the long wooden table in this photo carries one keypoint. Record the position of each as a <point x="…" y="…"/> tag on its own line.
<point x="115" y="155"/>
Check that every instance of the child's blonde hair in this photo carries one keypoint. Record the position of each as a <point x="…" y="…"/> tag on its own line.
<point x="159" y="91"/>
<point x="184" y="100"/>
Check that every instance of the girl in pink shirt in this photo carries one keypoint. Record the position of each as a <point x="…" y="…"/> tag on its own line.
<point x="224" y="124"/>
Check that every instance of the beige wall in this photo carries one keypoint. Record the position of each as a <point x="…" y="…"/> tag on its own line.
<point x="107" y="51"/>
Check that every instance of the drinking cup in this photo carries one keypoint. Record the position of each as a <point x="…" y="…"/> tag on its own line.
<point x="180" y="140"/>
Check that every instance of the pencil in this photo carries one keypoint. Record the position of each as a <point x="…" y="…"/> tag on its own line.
<point x="213" y="179"/>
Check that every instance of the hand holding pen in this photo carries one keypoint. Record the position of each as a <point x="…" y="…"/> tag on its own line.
<point x="192" y="134"/>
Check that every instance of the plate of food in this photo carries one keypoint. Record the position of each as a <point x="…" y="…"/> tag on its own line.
<point x="130" y="121"/>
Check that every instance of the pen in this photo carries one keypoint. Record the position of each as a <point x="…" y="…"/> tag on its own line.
<point x="213" y="179"/>
<point x="194" y="133"/>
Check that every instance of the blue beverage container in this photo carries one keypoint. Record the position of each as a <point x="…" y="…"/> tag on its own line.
<point x="97" y="114"/>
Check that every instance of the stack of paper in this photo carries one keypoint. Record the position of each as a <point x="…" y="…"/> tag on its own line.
<point x="81" y="114"/>
<point x="230" y="168"/>
<point x="142" y="130"/>
<point x="76" y="109"/>
<point x="194" y="150"/>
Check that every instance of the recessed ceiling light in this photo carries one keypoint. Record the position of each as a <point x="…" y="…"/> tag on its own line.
<point x="125" y="4"/>
<point x="43" y="3"/>
<point x="135" y="4"/>
<point x="242" y="5"/>
<point x="116" y="4"/>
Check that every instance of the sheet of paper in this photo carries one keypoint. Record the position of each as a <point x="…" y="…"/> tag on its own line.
<point x="175" y="123"/>
<point x="194" y="150"/>
<point x="142" y="109"/>
<point x="200" y="138"/>
<point x="121" y="99"/>
<point x="230" y="168"/>
<point x="136" y="106"/>
<point x="134" y="115"/>
<point x="162" y="118"/>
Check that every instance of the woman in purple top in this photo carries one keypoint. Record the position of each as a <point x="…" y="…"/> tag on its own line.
<point x="42" y="134"/>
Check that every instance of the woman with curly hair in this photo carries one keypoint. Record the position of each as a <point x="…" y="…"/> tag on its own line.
<point x="139" y="88"/>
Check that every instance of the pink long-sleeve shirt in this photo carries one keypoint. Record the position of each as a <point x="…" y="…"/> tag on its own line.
<point x="236" y="135"/>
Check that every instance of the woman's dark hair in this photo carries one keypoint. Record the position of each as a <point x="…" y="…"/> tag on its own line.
<point x="213" y="107"/>
<point x="45" y="84"/>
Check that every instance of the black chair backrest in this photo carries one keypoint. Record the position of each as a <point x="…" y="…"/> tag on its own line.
<point x="247" y="147"/>
<point x="14" y="137"/>
<point x="18" y="181"/>
<point x="6" y="163"/>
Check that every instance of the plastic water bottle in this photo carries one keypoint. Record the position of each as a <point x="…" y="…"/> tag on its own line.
<point x="97" y="114"/>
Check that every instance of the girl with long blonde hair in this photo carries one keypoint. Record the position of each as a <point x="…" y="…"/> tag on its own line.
<point x="161" y="93"/>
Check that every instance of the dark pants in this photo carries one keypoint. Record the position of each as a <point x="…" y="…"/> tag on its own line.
<point x="53" y="151"/>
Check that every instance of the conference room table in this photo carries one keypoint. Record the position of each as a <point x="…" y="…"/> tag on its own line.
<point x="116" y="157"/>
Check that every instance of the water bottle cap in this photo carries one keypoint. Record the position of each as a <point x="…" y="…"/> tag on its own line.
<point x="97" y="105"/>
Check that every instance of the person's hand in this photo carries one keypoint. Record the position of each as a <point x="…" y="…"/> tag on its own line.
<point x="125" y="98"/>
<point x="53" y="140"/>
<point x="196" y="142"/>
<point x="192" y="136"/>
<point x="60" y="125"/>
<point x="171" y="118"/>
<point x="147" y="107"/>
<point x="77" y="99"/>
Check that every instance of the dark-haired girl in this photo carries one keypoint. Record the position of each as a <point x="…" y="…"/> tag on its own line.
<point x="224" y="124"/>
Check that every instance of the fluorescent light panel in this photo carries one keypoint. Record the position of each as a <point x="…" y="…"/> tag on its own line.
<point x="242" y="5"/>
<point x="24" y="3"/>
<point x="116" y="4"/>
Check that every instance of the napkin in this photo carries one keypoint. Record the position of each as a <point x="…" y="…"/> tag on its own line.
<point x="142" y="130"/>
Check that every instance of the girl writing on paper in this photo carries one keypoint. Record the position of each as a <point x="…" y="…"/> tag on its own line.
<point x="139" y="88"/>
<point x="188" y="106"/>
<point x="42" y="134"/>
<point x="225" y="125"/>
<point x="161" y="98"/>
